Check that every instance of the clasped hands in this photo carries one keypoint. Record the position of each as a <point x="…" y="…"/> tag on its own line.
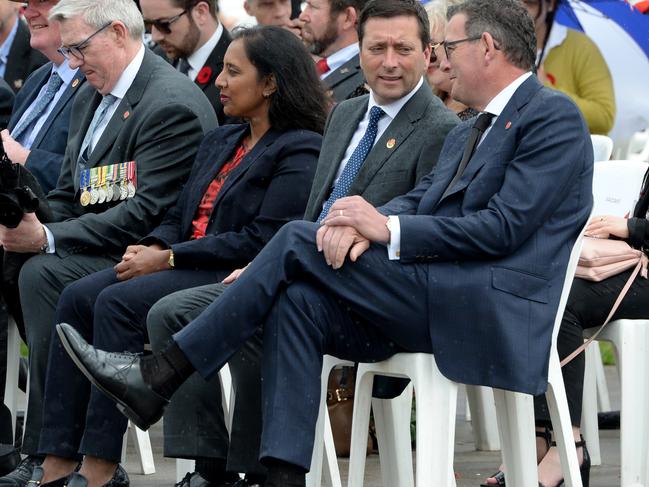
<point x="139" y="260"/>
<point x="349" y="228"/>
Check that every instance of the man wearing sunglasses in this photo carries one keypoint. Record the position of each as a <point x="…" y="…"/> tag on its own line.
<point x="190" y="35"/>
<point x="135" y="127"/>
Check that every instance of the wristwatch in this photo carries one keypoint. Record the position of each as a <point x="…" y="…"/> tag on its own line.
<point x="170" y="261"/>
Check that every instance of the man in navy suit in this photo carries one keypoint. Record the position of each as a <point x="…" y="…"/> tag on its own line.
<point x="40" y="144"/>
<point x="469" y="265"/>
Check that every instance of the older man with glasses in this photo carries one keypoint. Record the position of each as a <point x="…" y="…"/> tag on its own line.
<point x="135" y="128"/>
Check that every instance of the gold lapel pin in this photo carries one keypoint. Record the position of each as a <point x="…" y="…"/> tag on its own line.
<point x="75" y="83"/>
<point x="391" y="143"/>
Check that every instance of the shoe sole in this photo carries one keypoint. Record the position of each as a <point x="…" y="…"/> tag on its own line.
<point x="121" y="406"/>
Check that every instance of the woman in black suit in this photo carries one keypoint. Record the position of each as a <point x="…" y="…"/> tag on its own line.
<point x="589" y="303"/>
<point x="247" y="181"/>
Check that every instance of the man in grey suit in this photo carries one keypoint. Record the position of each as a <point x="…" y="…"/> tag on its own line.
<point x="409" y="139"/>
<point x="329" y="31"/>
<point x="135" y="128"/>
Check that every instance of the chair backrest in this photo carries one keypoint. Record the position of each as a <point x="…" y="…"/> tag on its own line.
<point x="567" y="283"/>
<point x="602" y="147"/>
<point x="616" y="186"/>
<point x="638" y="147"/>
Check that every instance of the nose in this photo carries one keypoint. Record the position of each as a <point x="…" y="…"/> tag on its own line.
<point x="156" y="35"/>
<point x="74" y="62"/>
<point x="444" y="65"/>
<point x="390" y="58"/>
<point x="220" y="80"/>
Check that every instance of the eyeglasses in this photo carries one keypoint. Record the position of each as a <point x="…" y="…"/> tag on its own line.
<point x="76" y="50"/>
<point x="449" y="47"/>
<point x="433" y="51"/>
<point x="163" y="26"/>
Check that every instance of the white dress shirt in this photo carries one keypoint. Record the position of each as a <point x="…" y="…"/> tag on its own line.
<point x="340" y="57"/>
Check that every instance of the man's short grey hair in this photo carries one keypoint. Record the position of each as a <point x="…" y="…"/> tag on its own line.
<point x="508" y="23"/>
<point x="99" y="13"/>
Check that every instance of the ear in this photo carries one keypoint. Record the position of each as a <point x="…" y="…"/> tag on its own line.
<point x="270" y="86"/>
<point x="349" y="18"/>
<point x="247" y="8"/>
<point x="490" y="45"/>
<point x="200" y="12"/>
<point x="120" y="31"/>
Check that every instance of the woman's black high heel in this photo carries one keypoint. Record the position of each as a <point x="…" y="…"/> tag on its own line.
<point x="584" y="468"/>
<point x="546" y="434"/>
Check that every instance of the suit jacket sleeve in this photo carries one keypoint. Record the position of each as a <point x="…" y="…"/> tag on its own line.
<point x="284" y="200"/>
<point x="536" y="176"/>
<point x="6" y="104"/>
<point x="164" y="153"/>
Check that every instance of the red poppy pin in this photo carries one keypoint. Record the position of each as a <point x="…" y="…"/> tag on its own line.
<point x="204" y="75"/>
<point x="551" y="79"/>
<point x="508" y="124"/>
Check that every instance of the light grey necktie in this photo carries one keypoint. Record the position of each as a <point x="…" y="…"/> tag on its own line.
<point x="100" y="113"/>
<point x="53" y="86"/>
<point x="183" y="66"/>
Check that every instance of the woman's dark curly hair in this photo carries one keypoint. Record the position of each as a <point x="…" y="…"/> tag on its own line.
<point x="299" y="101"/>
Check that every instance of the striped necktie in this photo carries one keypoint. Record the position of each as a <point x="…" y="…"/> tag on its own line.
<point x="53" y="86"/>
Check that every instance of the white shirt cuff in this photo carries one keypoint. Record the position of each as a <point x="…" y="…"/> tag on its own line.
<point x="50" y="240"/>
<point x="394" y="247"/>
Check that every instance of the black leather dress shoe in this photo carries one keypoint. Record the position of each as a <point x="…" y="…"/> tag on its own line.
<point x="193" y="479"/>
<point x="609" y="420"/>
<point x="117" y="375"/>
<point x="244" y="483"/>
<point x="120" y="479"/>
<point x="22" y="474"/>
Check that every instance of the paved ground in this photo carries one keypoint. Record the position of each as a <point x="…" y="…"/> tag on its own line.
<point x="471" y="466"/>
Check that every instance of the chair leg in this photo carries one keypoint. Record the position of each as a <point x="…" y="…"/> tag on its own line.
<point x="632" y="342"/>
<point x="360" y="425"/>
<point x="561" y="424"/>
<point x="516" y="427"/>
<point x="589" y="426"/>
<point x="436" y="406"/>
<point x="13" y="370"/>
<point x="144" y="451"/>
<point x="483" y="418"/>
<point x="603" y="399"/>
<point x="392" y="420"/>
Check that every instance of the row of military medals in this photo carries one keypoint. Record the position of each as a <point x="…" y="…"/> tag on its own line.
<point x="103" y="184"/>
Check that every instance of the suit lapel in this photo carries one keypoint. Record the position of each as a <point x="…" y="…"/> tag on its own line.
<point x="393" y="137"/>
<point x="124" y="110"/>
<point x="69" y="92"/>
<point x="490" y="144"/>
<point x="215" y="61"/>
<point x="223" y="151"/>
<point x="347" y="70"/>
<point x="20" y="110"/>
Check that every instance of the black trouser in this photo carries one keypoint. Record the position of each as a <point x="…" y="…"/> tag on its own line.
<point x="588" y="306"/>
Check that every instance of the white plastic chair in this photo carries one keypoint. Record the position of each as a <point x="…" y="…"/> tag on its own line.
<point x="142" y="447"/>
<point x="616" y="185"/>
<point x="602" y="147"/>
<point x="184" y="465"/>
<point x="631" y="341"/>
<point x="323" y="446"/>
<point x="13" y="370"/>
<point x="436" y="403"/>
<point x="483" y="418"/>
<point x="638" y="148"/>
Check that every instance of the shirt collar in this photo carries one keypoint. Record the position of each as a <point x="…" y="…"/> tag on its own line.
<point x="498" y="102"/>
<point x="128" y="76"/>
<point x="341" y="56"/>
<point x="199" y="57"/>
<point x="393" y="109"/>
<point x="6" y="45"/>
<point x="558" y="34"/>
<point x="64" y="70"/>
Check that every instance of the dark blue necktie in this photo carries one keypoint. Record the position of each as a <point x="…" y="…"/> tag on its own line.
<point x="355" y="161"/>
<point x="43" y="102"/>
